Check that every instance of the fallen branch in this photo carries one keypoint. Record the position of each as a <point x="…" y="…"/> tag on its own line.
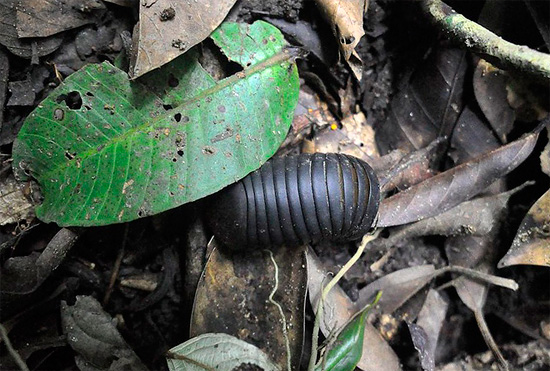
<point x="482" y="41"/>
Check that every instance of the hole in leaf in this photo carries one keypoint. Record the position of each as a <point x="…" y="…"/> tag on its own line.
<point x="177" y="117"/>
<point x="73" y="100"/>
<point x="90" y="94"/>
<point x="167" y="107"/>
<point x="173" y="81"/>
<point x="180" y="152"/>
<point x="174" y="160"/>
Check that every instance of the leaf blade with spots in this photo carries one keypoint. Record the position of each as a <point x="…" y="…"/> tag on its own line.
<point x="105" y="149"/>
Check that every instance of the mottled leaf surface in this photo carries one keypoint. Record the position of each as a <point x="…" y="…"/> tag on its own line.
<point x="233" y="297"/>
<point x="105" y="149"/>
<point x="216" y="352"/>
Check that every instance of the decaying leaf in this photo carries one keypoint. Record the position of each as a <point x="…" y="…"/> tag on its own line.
<point x="491" y="95"/>
<point x="4" y="70"/>
<point x="476" y="217"/>
<point x="28" y="48"/>
<point x="46" y="18"/>
<point x="93" y="335"/>
<point x="428" y="105"/>
<point x="338" y="309"/>
<point x="233" y="297"/>
<point x="346" y="20"/>
<point x="14" y="206"/>
<point x="428" y="325"/>
<point x="448" y="189"/>
<point x="220" y="352"/>
<point x="168" y="29"/>
<point x="532" y="242"/>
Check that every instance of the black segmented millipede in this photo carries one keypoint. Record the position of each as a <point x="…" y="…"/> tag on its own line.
<point x="296" y="200"/>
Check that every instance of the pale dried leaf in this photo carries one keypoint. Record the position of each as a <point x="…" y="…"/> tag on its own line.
<point x="168" y="29"/>
<point x="14" y="206"/>
<point x="531" y="245"/>
<point x="346" y="20"/>
<point x="92" y="333"/>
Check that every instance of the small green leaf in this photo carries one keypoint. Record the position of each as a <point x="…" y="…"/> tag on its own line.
<point x="345" y="352"/>
<point x="105" y="149"/>
<point x="219" y="352"/>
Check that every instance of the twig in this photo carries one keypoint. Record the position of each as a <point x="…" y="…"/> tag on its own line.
<point x="479" y="276"/>
<point x="13" y="353"/>
<point x="503" y="365"/>
<point x="116" y="268"/>
<point x="482" y="41"/>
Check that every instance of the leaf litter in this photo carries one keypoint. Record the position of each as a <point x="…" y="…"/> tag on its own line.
<point x="459" y="134"/>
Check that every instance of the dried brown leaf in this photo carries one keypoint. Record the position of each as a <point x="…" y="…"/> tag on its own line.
<point x="346" y="20"/>
<point x="430" y="320"/>
<point x="446" y="190"/>
<point x="4" y="70"/>
<point x="531" y="245"/>
<point x="355" y="137"/>
<point x="545" y="156"/>
<point x="233" y="297"/>
<point x="396" y="287"/>
<point x="491" y="95"/>
<point x="168" y="29"/>
<point x="92" y="333"/>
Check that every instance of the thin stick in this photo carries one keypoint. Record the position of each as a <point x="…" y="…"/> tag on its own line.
<point x="116" y="267"/>
<point x="13" y="353"/>
<point x="503" y="365"/>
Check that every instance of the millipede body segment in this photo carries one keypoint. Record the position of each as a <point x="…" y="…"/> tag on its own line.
<point x="296" y="200"/>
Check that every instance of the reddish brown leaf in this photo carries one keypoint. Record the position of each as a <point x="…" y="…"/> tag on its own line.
<point x="446" y="190"/>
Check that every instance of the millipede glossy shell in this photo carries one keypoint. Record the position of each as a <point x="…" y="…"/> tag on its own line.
<point x="296" y="200"/>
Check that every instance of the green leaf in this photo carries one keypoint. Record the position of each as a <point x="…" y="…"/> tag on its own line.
<point x="345" y="352"/>
<point x="105" y="149"/>
<point x="219" y="352"/>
